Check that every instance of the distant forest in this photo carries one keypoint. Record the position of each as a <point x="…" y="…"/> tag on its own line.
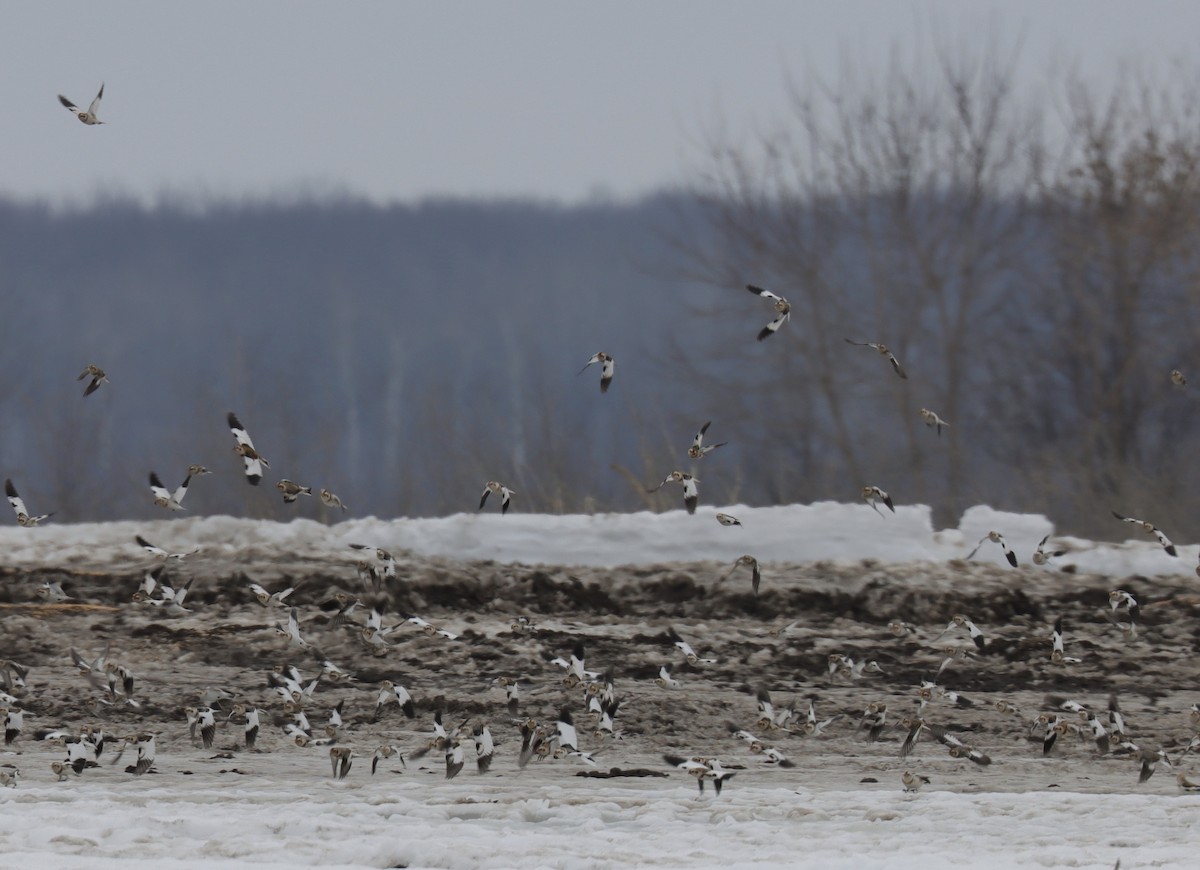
<point x="1037" y="291"/>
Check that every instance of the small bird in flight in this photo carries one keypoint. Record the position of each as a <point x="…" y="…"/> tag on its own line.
<point x="292" y="491"/>
<point x="607" y="366"/>
<point x="98" y="377"/>
<point x="728" y="520"/>
<point x="782" y="306"/>
<point x="691" y="494"/>
<point x="751" y="563"/>
<point x="1152" y="529"/>
<point x="1178" y="379"/>
<point x="933" y="420"/>
<point x="164" y="498"/>
<point x="245" y="448"/>
<point x="873" y="494"/>
<point x="330" y="500"/>
<point x="18" y="506"/>
<point x="996" y="538"/>
<point x="883" y="350"/>
<point x="697" y="450"/>
<point x="88" y="117"/>
<point x="500" y="489"/>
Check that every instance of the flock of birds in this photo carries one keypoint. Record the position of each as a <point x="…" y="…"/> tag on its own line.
<point x="292" y="702"/>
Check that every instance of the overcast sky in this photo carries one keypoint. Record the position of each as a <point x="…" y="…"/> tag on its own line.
<point x="398" y="101"/>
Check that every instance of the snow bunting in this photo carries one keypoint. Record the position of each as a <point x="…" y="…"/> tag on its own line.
<point x="254" y="462"/>
<point x="88" y="117"/>
<point x="727" y="520"/>
<point x="872" y="494"/>
<point x="933" y="420"/>
<point x="1057" y="652"/>
<point x="501" y="490"/>
<point x="18" y="506"/>
<point x="198" y="471"/>
<point x="691" y="494"/>
<point x="1149" y="528"/>
<point x="751" y="563"/>
<point x="97" y="376"/>
<point x="292" y="630"/>
<point x="883" y="350"/>
<point x="164" y="498"/>
<point x="266" y="599"/>
<point x="698" y="450"/>
<point x="686" y="648"/>
<point x="292" y="491"/>
<point x="995" y="538"/>
<point x="607" y="367"/>
<point x="913" y="781"/>
<point x="389" y="692"/>
<point x="484" y="747"/>
<point x="961" y="621"/>
<point x="1177" y="378"/>
<point x="340" y="758"/>
<point x="159" y="552"/>
<point x="383" y="751"/>
<point x="782" y="306"/>
<point x="330" y="500"/>
<point x="1042" y="556"/>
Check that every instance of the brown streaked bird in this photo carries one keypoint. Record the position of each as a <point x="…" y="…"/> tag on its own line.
<point x="933" y="420"/>
<point x="18" y="506"/>
<point x="88" y="117"/>
<point x="751" y="563"/>
<point x="1177" y="378"/>
<point x="882" y="349"/>
<point x="728" y="520"/>
<point x="97" y="376"/>
<point x="197" y="471"/>
<point x="872" y="494"/>
<point x="691" y="494"/>
<point x="698" y="450"/>
<point x="1186" y="784"/>
<point x="330" y="500"/>
<point x="1151" y="529"/>
<point x="913" y="781"/>
<point x="782" y="306"/>
<point x="607" y="368"/>
<point x="995" y="538"/>
<point x="253" y="461"/>
<point x="501" y="490"/>
<point x="166" y="499"/>
<point x="292" y="491"/>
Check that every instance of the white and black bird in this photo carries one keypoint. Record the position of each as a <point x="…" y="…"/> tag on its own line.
<point x="1058" y="653"/>
<point x="664" y="680"/>
<point x="166" y="499"/>
<point x="382" y="565"/>
<point x="686" y="648"/>
<point x="698" y="450"/>
<point x="292" y="491"/>
<point x="933" y="421"/>
<point x="394" y="692"/>
<point x="755" y="573"/>
<point x="18" y="506"/>
<point x="1151" y="529"/>
<point x="607" y="367"/>
<point x="882" y="349"/>
<point x="484" y="747"/>
<point x="995" y="538"/>
<point x="340" y="759"/>
<point x="97" y="376"/>
<point x="160" y="553"/>
<point x="88" y="117"/>
<point x="565" y="728"/>
<point x="702" y="769"/>
<point x="330" y="500"/>
<point x="251" y="458"/>
<point x="267" y="599"/>
<point x="783" y="310"/>
<point x="1178" y="379"/>
<point x="691" y="493"/>
<point x="382" y="752"/>
<point x="292" y="629"/>
<point x="913" y="781"/>
<point x="501" y="490"/>
<point x="1042" y="556"/>
<point x="873" y="494"/>
<point x="960" y="621"/>
<point x="728" y="520"/>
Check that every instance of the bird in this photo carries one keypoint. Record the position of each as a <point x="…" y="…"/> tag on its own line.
<point x="484" y="747"/>
<point x="388" y="692"/>
<point x="340" y="758"/>
<point x="960" y="621"/>
<point x="88" y="117"/>
<point x="198" y="470"/>
<point x="702" y="769"/>
<point x="664" y="680"/>
<point x="292" y="491"/>
<point x="1150" y="759"/>
<point x="899" y="628"/>
<point x="18" y="506"/>
<point x="933" y="420"/>
<point x="251" y="458"/>
<point x="1057" y="653"/>
<point x="607" y="367"/>
<point x="383" y="751"/>
<point x="1178" y="379"/>
<point x="159" y="552"/>
<point x="330" y="500"/>
<point x="728" y="520"/>
<point x="97" y="376"/>
<point x="266" y="599"/>
<point x="251" y="726"/>
<point x="383" y="557"/>
<point x="1152" y="529"/>
<point x="501" y="490"/>
<point x="873" y="494"/>
<point x="144" y="744"/>
<point x="691" y="494"/>
<point x="913" y="781"/>
<point x="1186" y="784"/>
<point x="292" y="630"/>
<point x="164" y="498"/>
<point x="14" y="721"/>
<point x="686" y="648"/>
<point x="698" y="450"/>
<point x="883" y="351"/>
<point x="206" y="724"/>
<point x="995" y="538"/>
<point x="782" y="307"/>
<point x="1042" y="556"/>
<point x="751" y="563"/>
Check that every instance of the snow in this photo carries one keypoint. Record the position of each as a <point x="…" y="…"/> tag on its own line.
<point x="286" y="811"/>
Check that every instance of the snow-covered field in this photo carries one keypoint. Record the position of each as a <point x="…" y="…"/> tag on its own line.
<point x="836" y="570"/>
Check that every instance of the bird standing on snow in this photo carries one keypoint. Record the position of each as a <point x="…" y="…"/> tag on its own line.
<point x="88" y="117"/>
<point x="607" y="367"/>
<point x="782" y="306"/>
<point x="98" y="377"/>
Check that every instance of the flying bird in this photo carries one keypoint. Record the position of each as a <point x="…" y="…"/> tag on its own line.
<point x="933" y="420"/>
<point x="698" y="450"/>
<point x="751" y="563"/>
<point x="245" y="448"/>
<point x="292" y="491"/>
<point x="18" y="506"/>
<point x="883" y="351"/>
<point x="1149" y="528"/>
<point x="607" y="366"/>
<point x="995" y="538"/>
<point x="98" y="377"/>
<point x="501" y="490"/>
<point x="330" y="500"/>
<point x="1178" y="379"/>
<point x="691" y="494"/>
<point x="1042" y="556"/>
<point x="159" y="552"/>
<point x="88" y="117"/>
<point x="727" y="520"/>
<point x="782" y="306"/>
<point x="164" y="498"/>
<point x="873" y="494"/>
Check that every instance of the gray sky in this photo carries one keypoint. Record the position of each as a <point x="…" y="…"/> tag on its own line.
<point x="397" y="101"/>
